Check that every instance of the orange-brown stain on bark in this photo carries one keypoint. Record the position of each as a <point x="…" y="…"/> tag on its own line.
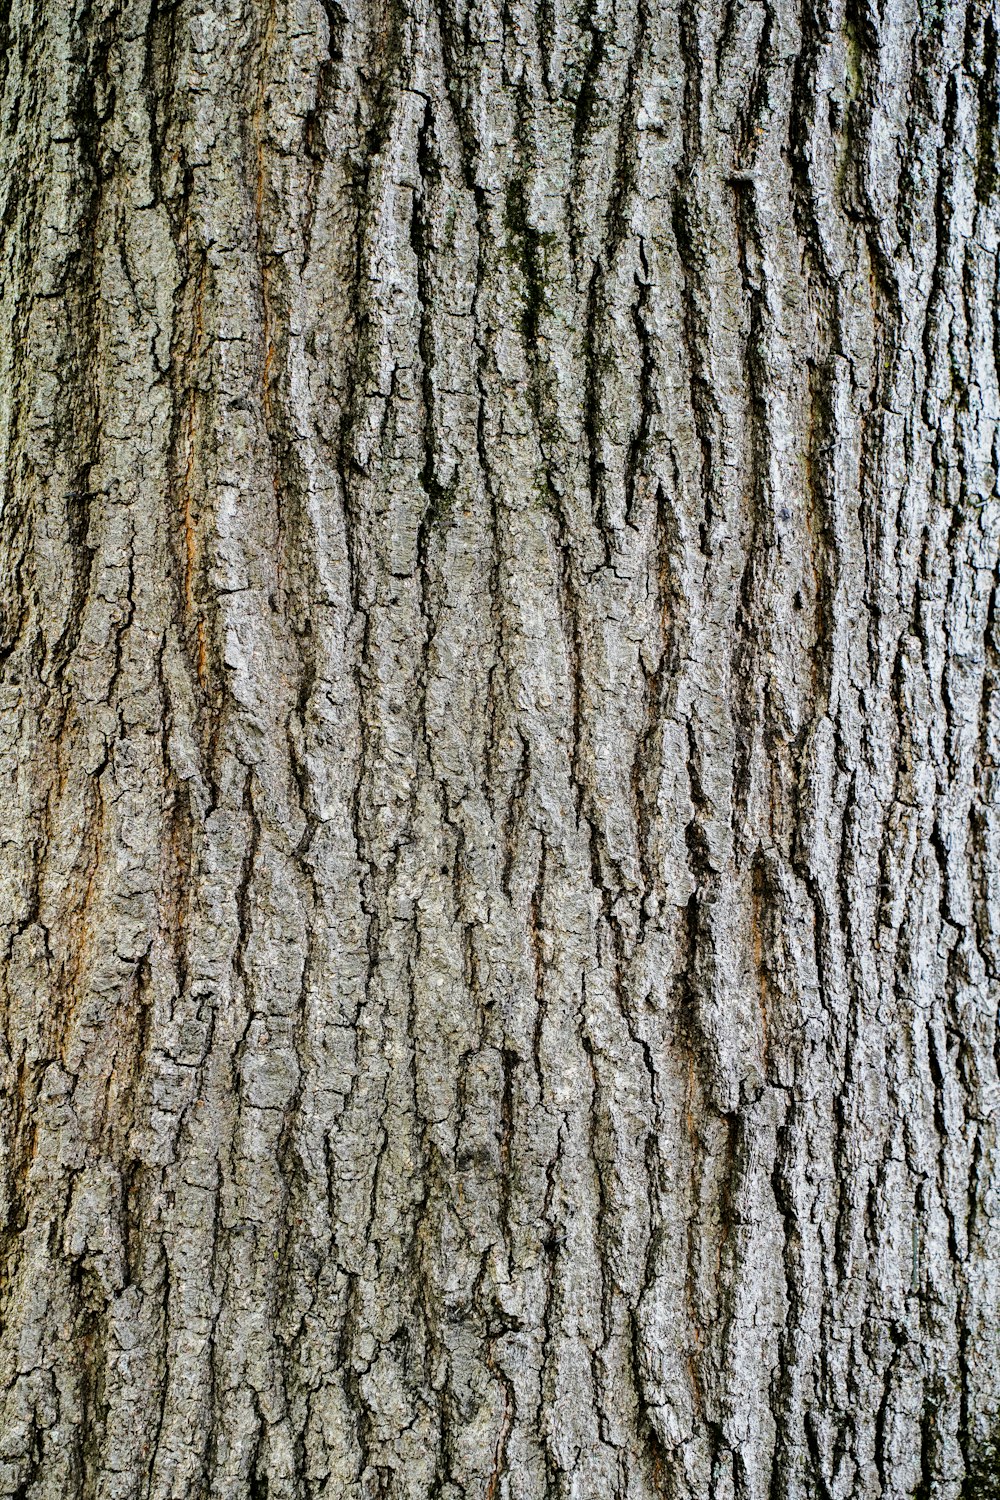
<point x="191" y="540"/>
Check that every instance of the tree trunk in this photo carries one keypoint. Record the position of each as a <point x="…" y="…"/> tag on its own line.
<point x="501" y="706"/>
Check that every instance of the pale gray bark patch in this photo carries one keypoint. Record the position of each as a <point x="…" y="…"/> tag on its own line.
<point x="500" y="661"/>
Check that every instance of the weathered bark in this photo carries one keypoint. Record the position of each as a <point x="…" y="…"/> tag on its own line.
<point x="500" y="695"/>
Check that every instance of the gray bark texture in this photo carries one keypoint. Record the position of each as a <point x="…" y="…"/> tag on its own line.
<point x="500" y="884"/>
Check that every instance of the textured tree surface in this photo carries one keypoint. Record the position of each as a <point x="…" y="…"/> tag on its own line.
<point x="500" y="715"/>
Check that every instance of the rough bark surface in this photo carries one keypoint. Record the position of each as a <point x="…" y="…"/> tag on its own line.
<point x="500" y="715"/>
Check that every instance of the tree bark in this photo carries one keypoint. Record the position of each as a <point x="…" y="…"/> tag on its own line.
<point x="501" y="708"/>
